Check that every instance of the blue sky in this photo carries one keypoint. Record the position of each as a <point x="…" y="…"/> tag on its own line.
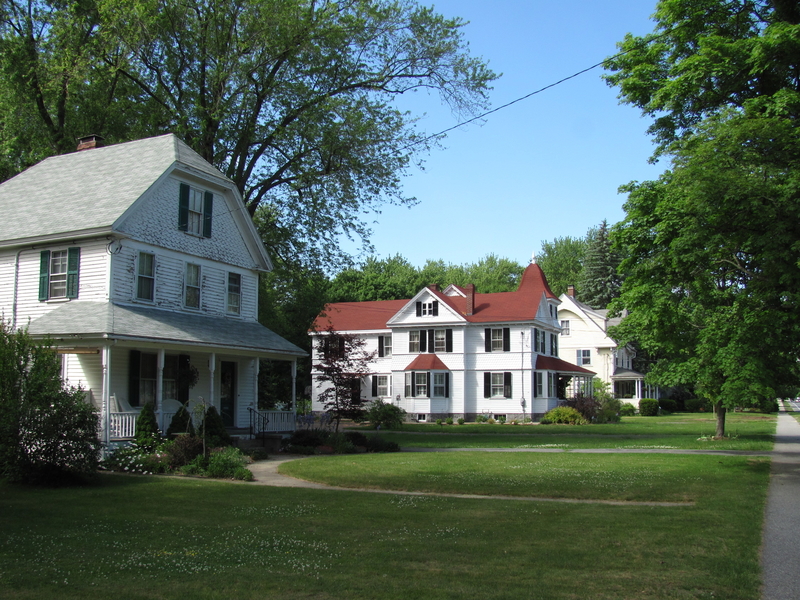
<point x="546" y="167"/>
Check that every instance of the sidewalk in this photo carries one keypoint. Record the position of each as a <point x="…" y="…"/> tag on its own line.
<point x="780" y="545"/>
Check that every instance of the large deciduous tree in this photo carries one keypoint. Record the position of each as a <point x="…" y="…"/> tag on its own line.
<point x="713" y="247"/>
<point x="291" y="99"/>
<point x="562" y="261"/>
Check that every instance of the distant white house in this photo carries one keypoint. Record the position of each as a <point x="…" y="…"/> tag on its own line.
<point x="460" y="353"/>
<point x="138" y="260"/>
<point x="585" y="342"/>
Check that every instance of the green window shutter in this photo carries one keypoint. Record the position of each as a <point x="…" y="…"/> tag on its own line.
<point x="183" y="208"/>
<point x="73" y="271"/>
<point x="44" y="275"/>
<point x="208" y="208"/>
<point x="134" y="363"/>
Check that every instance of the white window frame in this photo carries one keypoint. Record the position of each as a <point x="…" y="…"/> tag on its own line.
<point x="498" y="385"/>
<point x="387" y="345"/>
<point x="426" y="309"/>
<point x="384" y="386"/>
<point x="234" y="297"/>
<point x="194" y="222"/>
<point x="58" y="274"/>
<point x="440" y="340"/>
<point x="439" y="384"/>
<point x="188" y="286"/>
<point x="583" y="357"/>
<point x="421" y="384"/>
<point x="148" y="277"/>
<point x="414" y="344"/>
<point x="497" y="340"/>
<point x="565" y="327"/>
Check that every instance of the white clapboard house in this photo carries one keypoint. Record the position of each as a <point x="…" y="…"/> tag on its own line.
<point x="139" y="261"/>
<point x="585" y="342"/>
<point x="460" y="353"/>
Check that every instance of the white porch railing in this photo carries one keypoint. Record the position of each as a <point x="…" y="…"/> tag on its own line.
<point x="122" y="425"/>
<point x="271" y="421"/>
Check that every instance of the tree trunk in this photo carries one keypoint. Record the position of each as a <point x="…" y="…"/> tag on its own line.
<point x="720" y="410"/>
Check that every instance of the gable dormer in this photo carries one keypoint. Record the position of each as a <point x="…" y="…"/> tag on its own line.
<point x="428" y="306"/>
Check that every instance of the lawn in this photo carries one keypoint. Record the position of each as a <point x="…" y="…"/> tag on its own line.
<point x="747" y="431"/>
<point x="157" y="537"/>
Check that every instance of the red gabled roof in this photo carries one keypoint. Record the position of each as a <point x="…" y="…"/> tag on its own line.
<point x="551" y="363"/>
<point x="501" y="307"/>
<point x="427" y="362"/>
<point x="353" y="316"/>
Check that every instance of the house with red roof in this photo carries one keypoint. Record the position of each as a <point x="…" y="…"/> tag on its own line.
<point x="459" y="353"/>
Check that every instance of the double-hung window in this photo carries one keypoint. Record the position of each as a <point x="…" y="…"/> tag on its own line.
<point x="416" y="384"/>
<point x="381" y="386"/>
<point x="497" y="385"/>
<point x="234" y="294"/>
<point x="146" y="277"/>
<point x="428" y="309"/>
<point x="584" y="357"/>
<point x="441" y="385"/>
<point x="385" y="345"/>
<point x="497" y="340"/>
<point x="414" y="342"/>
<point x="565" y="327"/>
<point x="58" y="273"/>
<point x="439" y="340"/>
<point x="192" y="286"/>
<point x="538" y="390"/>
<point x="194" y="210"/>
<point x="553" y="344"/>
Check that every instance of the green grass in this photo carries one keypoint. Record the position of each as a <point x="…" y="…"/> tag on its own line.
<point x="155" y="537"/>
<point x="747" y="431"/>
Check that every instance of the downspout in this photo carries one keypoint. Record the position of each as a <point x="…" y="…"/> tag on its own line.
<point x="16" y="287"/>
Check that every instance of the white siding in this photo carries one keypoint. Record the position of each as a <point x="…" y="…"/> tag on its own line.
<point x="154" y="220"/>
<point x="92" y="282"/>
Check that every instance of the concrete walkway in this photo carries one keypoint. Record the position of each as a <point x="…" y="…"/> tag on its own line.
<point x="780" y="549"/>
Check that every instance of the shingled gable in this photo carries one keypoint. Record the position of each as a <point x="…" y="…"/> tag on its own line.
<point x="101" y="186"/>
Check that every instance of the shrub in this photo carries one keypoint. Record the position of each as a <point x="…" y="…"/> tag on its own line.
<point x="148" y="435"/>
<point x="587" y="406"/>
<point x="181" y="423"/>
<point x="356" y="438"/>
<point x="385" y="415"/>
<point x="378" y="444"/>
<point x="340" y="444"/>
<point x="449" y="420"/>
<point x="214" y="429"/>
<point x="491" y="421"/>
<point x="564" y="414"/>
<point x="439" y="422"/>
<point x="767" y="406"/>
<point x="308" y="438"/>
<point x="501" y="419"/>
<point x="627" y="409"/>
<point x="481" y="418"/>
<point x="196" y="467"/>
<point x="460" y="420"/>
<point x="257" y="454"/>
<point x="182" y="450"/>
<point x="130" y="458"/>
<point x="648" y="407"/>
<point x="668" y="405"/>
<point x="609" y="411"/>
<point x="243" y="474"/>
<point x="696" y="405"/>
<point x="224" y="462"/>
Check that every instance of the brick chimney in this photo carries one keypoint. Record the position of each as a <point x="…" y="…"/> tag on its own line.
<point x="571" y="291"/>
<point x="90" y="141"/>
<point x="434" y="287"/>
<point x="470" y="289"/>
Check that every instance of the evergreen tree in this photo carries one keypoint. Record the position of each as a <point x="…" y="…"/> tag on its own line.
<point x="600" y="282"/>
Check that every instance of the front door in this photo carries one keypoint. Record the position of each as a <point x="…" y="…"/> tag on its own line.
<point x="227" y="392"/>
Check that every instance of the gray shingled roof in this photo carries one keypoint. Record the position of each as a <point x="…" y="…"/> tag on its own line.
<point x="621" y="373"/>
<point x="91" y="189"/>
<point x="97" y="319"/>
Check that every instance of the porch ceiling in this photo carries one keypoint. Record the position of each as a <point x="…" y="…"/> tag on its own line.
<point x="92" y="320"/>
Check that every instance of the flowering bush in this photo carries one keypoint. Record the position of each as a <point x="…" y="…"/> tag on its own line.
<point x="47" y="430"/>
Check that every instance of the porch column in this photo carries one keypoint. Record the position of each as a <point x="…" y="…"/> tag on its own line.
<point x="105" y="416"/>
<point x="256" y="366"/>
<point x="160" y="389"/>
<point x="212" y="367"/>
<point x="639" y="389"/>
<point x="294" y="385"/>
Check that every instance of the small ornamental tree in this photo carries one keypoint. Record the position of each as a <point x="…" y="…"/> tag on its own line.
<point x="341" y="362"/>
<point x="148" y="435"/>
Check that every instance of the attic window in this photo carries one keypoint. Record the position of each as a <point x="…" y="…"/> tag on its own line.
<point x="428" y="309"/>
<point x="195" y="207"/>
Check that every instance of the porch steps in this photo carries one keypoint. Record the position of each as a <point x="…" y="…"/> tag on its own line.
<point x="241" y="437"/>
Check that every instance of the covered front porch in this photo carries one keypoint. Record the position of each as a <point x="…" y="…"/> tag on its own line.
<point x="630" y="386"/>
<point x="130" y="356"/>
